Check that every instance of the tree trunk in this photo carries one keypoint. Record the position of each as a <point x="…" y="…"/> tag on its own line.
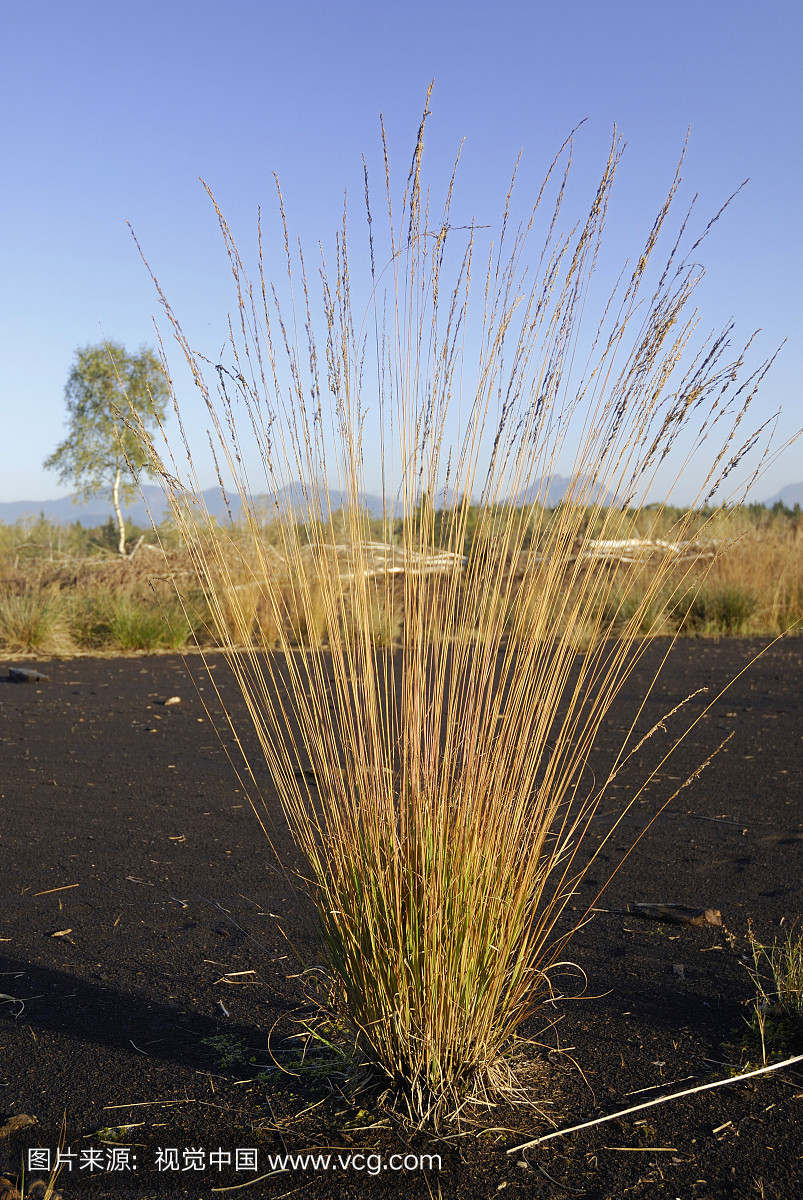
<point x="118" y="511"/>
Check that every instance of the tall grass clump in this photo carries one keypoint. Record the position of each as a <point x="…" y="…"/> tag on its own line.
<point x="759" y="581"/>
<point x="124" y="619"/>
<point x="34" y="620"/>
<point x="133" y="625"/>
<point x="428" y="729"/>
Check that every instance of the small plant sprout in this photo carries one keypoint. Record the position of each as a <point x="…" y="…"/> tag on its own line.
<point x="228" y="1049"/>
<point x="426" y="714"/>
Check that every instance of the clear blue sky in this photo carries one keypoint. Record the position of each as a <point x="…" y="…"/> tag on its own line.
<point x="112" y="111"/>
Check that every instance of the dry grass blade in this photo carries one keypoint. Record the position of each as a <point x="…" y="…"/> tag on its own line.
<point x="437" y="787"/>
<point x="626" y="1112"/>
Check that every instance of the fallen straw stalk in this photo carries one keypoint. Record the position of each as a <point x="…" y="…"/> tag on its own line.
<point x="626" y="1112"/>
<point x="428" y="734"/>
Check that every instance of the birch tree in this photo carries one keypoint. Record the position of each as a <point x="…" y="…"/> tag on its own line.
<point x="100" y="455"/>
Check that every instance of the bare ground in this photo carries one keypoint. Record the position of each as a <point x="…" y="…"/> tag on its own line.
<point x="146" y="939"/>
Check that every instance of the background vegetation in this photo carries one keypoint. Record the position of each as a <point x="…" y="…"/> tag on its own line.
<point x="65" y="589"/>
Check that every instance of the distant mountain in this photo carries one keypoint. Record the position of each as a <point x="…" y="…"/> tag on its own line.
<point x="98" y="510"/>
<point x="95" y="511"/>
<point x="790" y="495"/>
<point x="552" y="490"/>
<point x="292" y="497"/>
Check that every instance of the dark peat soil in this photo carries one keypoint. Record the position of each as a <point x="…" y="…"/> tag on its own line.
<point x="149" y="951"/>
